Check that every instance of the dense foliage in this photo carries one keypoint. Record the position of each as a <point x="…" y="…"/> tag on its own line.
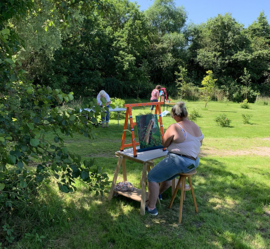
<point x="225" y="47"/>
<point x="127" y="52"/>
<point x="27" y="114"/>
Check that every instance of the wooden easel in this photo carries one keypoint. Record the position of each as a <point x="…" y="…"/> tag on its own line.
<point x="132" y="124"/>
<point x="146" y="159"/>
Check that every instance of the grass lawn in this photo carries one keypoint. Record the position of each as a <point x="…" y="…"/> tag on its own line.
<point x="232" y="189"/>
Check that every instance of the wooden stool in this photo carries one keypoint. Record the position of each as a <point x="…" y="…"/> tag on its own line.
<point x="181" y="184"/>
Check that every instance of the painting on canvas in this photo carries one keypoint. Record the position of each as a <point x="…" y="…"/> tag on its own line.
<point x="148" y="132"/>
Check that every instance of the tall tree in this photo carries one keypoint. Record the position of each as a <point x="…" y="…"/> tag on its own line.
<point x="168" y="43"/>
<point x="224" y="46"/>
<point x="259" y="63"/>
<point x="221" y="39"/>
<point x="166" y="17"/>
<point x="105" y="51"/>
<point x="260" y="28"/>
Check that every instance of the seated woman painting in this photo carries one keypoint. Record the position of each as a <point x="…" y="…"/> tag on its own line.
<point x="183" y="141"/>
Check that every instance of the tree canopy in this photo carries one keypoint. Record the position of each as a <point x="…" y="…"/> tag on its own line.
<point x="86" y="46"/>
<point x="54" y="51"/>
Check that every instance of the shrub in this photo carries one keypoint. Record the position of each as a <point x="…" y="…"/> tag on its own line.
<point x="223" y="120"/>
<point x="187" y="90"/>
<point x="115" y="102"/>
<point x="219" y="94"/>
<point x="246" y="118"/>
<point x="23" y="181"/>
<point x="193" y="115"/>
<point x="118" y="102"/>
<point x="245" y="104"/>
<point x="18" y="189"/>
<point x="208" y="86"/>
<point x="262" y="100"/>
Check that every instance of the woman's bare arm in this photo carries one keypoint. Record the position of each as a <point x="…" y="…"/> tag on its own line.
<point x="168" y="136"/>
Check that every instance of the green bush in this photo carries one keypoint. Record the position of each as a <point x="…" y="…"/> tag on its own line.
<point x="223" y="120"/>
<point x="193" y="115"/>
<point x="245" y="104"/>
<point x="116" y="102"/>
<point x="18" y="189"/>
<point x="262" y="100"/>
<point x="21" y="180"/>
<point x="218" y="95"/>
<point x="246" y="118"/>
<point x="189" y="91"/>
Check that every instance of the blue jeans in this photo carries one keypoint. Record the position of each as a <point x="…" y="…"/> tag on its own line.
<point x="170" y="167"/>
<point x="107" y="117"/>
<point x="153" y="100"/>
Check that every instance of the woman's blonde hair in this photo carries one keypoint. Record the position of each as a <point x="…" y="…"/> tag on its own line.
<point x="179" y="110"/>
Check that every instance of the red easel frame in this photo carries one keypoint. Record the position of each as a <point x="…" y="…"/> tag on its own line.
<point x="132" y="124"/>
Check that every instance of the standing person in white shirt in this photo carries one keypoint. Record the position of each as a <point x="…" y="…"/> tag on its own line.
<point x="103" y="94"/>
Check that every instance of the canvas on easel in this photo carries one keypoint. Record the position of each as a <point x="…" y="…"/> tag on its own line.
<point x="148" y="132"/>
<point x="129" y="119"/>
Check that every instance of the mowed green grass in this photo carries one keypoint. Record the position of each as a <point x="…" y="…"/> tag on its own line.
<point x="232" y="192"/>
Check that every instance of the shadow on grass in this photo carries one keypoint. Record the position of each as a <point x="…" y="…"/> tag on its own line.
<point x="230" y="215"/>
<point x="230" y="126"/>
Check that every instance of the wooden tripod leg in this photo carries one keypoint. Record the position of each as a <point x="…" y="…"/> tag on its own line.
<point x="175" y="192"/>
<point x="173" y="186"/>
<point x="124" y="169"/>
<point x="183" y="179"/>
<point x="120" y="159"/>
<point x="193" y="195"/>
<point x="148" y="169"/>
<point x="143" y="188"/>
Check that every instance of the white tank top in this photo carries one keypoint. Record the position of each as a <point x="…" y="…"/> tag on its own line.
<point x="189" y="147"/>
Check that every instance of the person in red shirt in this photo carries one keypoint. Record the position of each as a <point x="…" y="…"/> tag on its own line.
<point x="155" y="96"/>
